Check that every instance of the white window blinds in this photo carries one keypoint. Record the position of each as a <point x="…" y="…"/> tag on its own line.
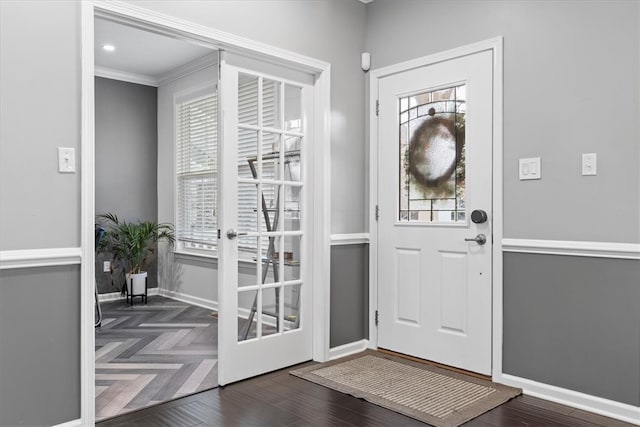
<point x="196" y="170"/>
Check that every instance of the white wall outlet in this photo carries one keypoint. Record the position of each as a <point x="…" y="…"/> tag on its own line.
<point x="106" y="266"/>
<point x="589" y="164"/>
<point x="530" y="168"/>
<point x="66" y="160"/>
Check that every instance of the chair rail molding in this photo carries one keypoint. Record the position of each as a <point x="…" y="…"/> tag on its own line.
<point x="573" y="248"/>
<point x="30" y="258"/>
<point x="349" y="239"/>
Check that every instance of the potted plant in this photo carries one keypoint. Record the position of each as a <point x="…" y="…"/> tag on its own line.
<point x="132" y="246"/>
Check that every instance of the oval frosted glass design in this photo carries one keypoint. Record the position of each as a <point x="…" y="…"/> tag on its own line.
<point x="432" y="156"/>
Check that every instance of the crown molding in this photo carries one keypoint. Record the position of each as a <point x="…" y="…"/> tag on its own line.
<point x="110" y="73"/>
<point x="189" y="68"/>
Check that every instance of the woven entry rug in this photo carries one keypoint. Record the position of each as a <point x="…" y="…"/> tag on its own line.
<point x="424" y="392"/>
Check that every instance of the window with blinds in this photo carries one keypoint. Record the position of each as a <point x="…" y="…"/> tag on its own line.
<point x="196" y="172"/>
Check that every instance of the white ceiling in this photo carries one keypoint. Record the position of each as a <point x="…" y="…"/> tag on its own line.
<point x="141" y="52"/>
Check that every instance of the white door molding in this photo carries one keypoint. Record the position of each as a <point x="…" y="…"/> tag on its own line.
<point x="573" y="248"/>
<point x="494" y="45"/>
<point x="148" y="19"/>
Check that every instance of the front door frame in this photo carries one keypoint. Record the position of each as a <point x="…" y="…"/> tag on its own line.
<point x="495" y="45"/>
<point x="148" y="19"/>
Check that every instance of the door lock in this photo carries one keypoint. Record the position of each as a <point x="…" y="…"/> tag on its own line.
<point x="478" y="216"/>
<point x="480" y="239"/>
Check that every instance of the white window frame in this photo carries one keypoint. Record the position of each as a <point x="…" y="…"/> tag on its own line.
<point x="191" y="94"/>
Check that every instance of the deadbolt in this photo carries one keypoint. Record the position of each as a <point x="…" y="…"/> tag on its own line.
<point x="478" y="216"/>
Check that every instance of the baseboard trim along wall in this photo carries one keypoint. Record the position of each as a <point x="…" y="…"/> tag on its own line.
<point x="189" y="299"/>
<point x="348" y="349"/>
<point x="115" y="296"/>
<point x="74" y="423"/>
<point x="574" y="399"/>
<point x="349" y="239"/>
<point x="573" y="248"/>
<point x="29" y="258"/>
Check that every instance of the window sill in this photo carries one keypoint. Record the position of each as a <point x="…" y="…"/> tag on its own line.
<point x="199" y="256"/>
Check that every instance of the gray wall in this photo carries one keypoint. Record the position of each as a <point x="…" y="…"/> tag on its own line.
<point x="573" y="322"/>
<point x="349" y="319"/>
<point x="126" y="168"/>
<point x="40" y="208"/>
<point x="570" y="86"/>
<point x="39" y="346"/>
<point x="40" y="86"/>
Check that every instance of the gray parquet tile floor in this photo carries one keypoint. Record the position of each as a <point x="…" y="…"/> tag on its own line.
<point x="154" y="352"/>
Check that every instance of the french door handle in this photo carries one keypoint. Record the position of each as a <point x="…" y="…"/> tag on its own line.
<point x="232" y="234"/>
<point x="480" y="239"/>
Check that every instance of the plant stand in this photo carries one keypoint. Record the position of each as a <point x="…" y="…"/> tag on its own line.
<point x="143" y="296"/>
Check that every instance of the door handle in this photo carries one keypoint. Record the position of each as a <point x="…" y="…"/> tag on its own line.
<point x="232" y="234"/>
<point x="480" y="239"/>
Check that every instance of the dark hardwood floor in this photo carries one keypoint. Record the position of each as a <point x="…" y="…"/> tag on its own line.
<point x="280" y="399"/>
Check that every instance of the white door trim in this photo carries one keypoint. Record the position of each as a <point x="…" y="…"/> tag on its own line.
<point x="494" y="45"/>
<point x="146" y="18"/>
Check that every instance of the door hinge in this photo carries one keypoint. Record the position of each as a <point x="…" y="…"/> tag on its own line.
<point x="219" y="233"/>
<point x="376" y="321"/>
<point x="377" y="212"/>
<point x="377" y="107"/>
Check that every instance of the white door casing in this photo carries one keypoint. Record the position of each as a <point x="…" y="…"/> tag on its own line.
<point x="435" y="288"/>
<point x="266" y="173"/>
<point x="154" y="21"/>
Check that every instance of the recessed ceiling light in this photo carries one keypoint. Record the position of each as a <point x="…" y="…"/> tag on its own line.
<point x="108" y="47"/>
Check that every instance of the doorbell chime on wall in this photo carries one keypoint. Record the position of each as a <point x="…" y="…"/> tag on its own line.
<point x="365" y="61"/>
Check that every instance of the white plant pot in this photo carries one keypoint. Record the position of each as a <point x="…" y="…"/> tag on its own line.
<point x="136" y="283"/>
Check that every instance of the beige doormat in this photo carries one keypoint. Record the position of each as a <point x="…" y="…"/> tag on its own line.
<point x="424" y="392"/>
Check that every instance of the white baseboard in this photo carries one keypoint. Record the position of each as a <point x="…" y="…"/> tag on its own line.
<point x="114" y="296"/>
<point x="586" y="402"/>
<point x="348" y="349"/>
<point x="189" y="299"/>
<point x="74" y="423"/>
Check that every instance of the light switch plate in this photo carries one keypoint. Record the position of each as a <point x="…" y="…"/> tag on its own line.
<point x="530" y="168"/>
<point x="589" y="164"/>
<point x="66" y="160"/>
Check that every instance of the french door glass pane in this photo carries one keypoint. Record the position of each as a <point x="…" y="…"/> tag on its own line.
<point x="247" y="320"/>
<point x="292" y="307"/>
<point x="247" y="99"/>
<point x="271" y="104"/>
<point x="247" y="153"/>
<point x="292" y="108"/>
<point x="271" y="311"/>
<point x="247" y="207"/>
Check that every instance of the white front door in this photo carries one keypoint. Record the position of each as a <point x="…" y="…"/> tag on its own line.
<point x="435" y="169"/>
<point x="264" y="201"/>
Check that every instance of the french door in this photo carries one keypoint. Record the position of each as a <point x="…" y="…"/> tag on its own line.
<point x="264" y="206"/>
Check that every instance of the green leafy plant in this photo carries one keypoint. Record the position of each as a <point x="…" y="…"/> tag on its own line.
<point x="132" y="245"/>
